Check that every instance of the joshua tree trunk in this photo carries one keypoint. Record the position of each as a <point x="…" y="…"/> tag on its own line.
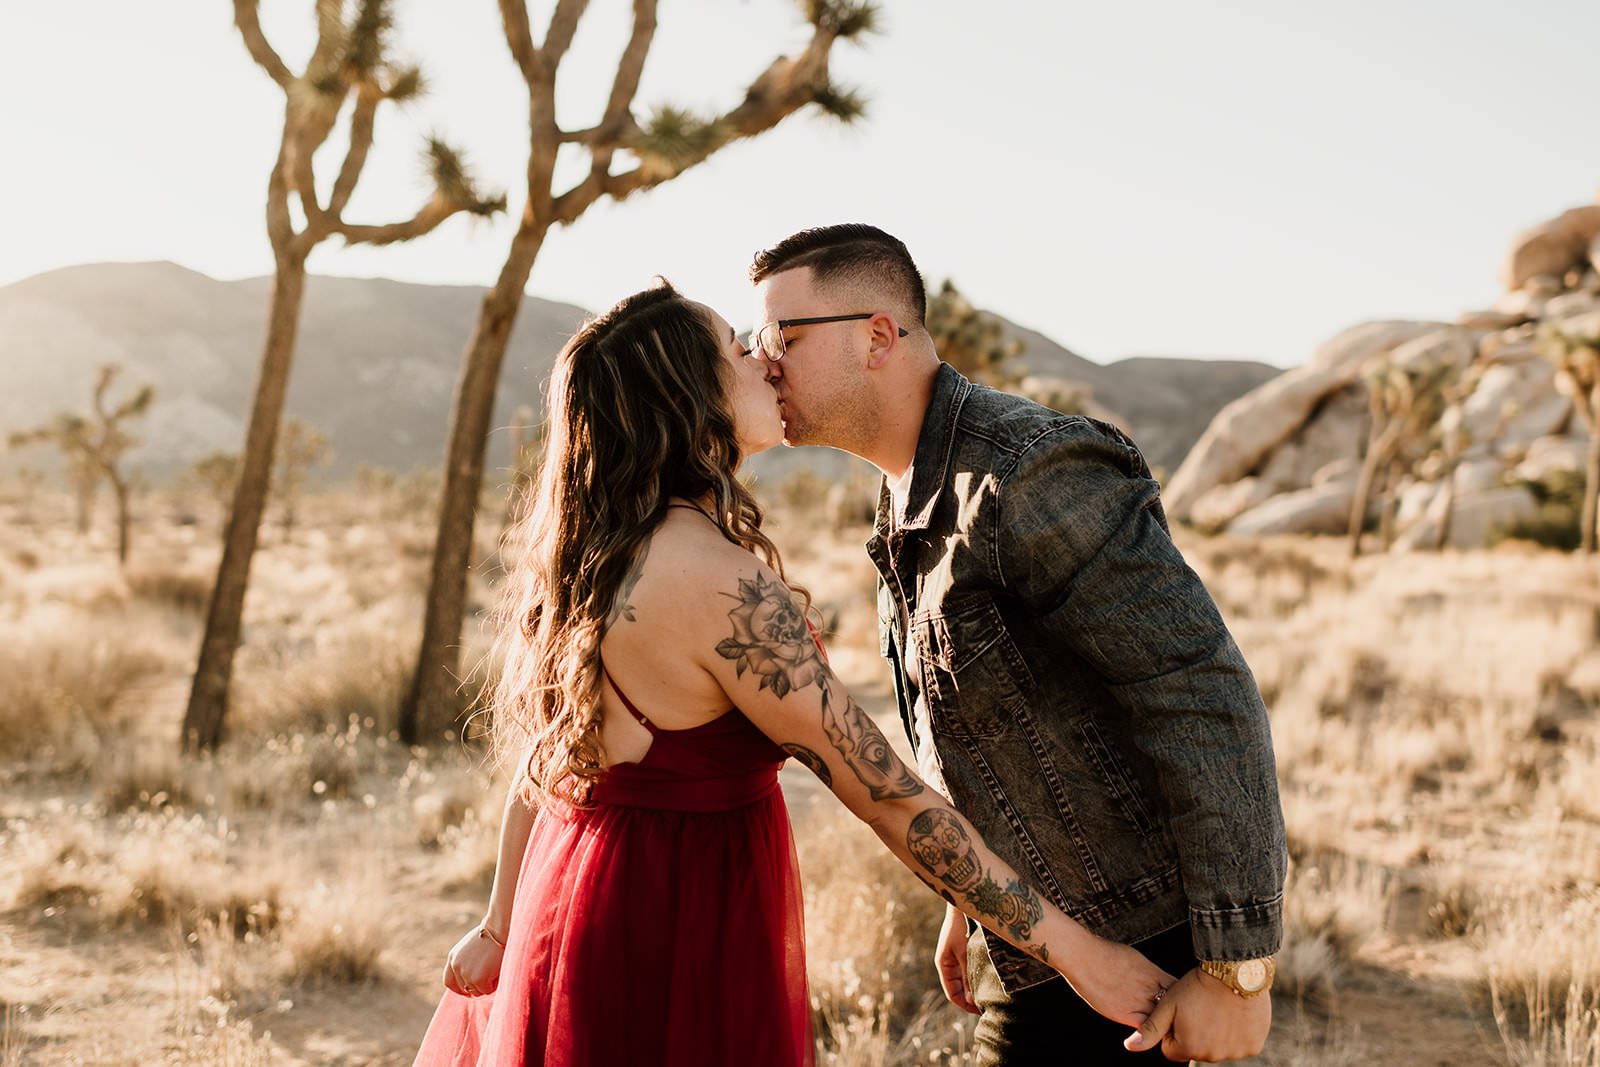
<point x="1373" y="460"/>
<point x="1391" y="485"/>
<point x="1591" y="487"/>
<point x="124" y="518"/>
<point x="203" y="720"/>
<point x="434" y="679"/>
<point x="1447" y="510"/>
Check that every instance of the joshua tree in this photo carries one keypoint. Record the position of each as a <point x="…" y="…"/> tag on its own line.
<point x="1406" y="404"/>
<point x="299" y="448"/>
<point x="972" y="341"/>
<point x="1573" y="345"/>
<point x="94" y="447"/>
<point x="624" y="157"/>
<point x="350" y="65"/>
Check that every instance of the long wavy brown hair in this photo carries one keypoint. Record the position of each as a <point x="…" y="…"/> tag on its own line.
<point x="637" y="413"/>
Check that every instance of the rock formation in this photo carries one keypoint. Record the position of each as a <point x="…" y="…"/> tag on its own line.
<point x="1286" y="457"/>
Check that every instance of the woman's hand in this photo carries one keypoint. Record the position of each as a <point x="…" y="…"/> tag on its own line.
<point x="950" y="958"/>
<point x="1117" y="981"/>
<point x="473" y="968"/>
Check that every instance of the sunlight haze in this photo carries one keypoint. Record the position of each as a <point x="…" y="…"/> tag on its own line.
<point x="1237" y="180"/>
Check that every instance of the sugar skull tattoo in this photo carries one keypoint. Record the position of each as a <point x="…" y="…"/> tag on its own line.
<point x="941" y="845"/>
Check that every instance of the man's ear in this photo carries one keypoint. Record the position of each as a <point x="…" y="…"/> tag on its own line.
<point x="884" y="334"/>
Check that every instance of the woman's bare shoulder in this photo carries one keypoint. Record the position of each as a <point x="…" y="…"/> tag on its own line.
<point x="683" y="570"/>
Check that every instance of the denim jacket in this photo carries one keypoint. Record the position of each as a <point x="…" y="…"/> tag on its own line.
<point x="1089" y="711"/>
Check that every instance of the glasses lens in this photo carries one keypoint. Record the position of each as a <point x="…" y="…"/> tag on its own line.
<point x="769" y="342"/>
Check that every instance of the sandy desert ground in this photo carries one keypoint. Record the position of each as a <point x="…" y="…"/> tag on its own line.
<point x="291" y="899"/>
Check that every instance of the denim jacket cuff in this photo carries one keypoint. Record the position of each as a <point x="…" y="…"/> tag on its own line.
<point x="1245" y="932"/>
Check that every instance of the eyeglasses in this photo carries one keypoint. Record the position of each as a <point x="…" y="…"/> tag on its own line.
<point x="767" y="343"/>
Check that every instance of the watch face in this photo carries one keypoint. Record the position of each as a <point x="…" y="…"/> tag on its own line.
<point x="1252" y="975"/>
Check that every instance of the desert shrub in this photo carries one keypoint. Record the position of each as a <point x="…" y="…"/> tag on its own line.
<point x="870" y="933"/>
<point x="61" y="692"/>
<point x="1332" y="909"/>
<point x="1543" y="971"/>
<point x="184" y="589"/>
<point x="335" y="935"/>
<point x="152" y="870"/>
<point x="361" y="676"/>
<point x="1558" y="522"/>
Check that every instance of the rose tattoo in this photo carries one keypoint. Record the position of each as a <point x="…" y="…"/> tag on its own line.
<point x="770" y="637"/>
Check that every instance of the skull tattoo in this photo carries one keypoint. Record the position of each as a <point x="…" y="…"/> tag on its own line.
<point x="942" y="846"/>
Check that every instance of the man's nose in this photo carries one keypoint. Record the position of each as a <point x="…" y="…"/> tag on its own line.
<point x="774" y="370"/>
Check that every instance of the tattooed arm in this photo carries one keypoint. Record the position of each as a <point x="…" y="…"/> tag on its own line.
<point x="771" y="669"/>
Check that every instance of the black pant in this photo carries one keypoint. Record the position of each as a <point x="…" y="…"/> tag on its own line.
<point x="1049" y="1024"/>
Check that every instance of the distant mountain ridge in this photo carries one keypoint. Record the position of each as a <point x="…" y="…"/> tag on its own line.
<point x="377" y="361"/>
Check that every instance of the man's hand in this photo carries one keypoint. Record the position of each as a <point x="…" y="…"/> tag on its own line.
<point x="951" y="960"/>
<point x="1200" y="1018"/>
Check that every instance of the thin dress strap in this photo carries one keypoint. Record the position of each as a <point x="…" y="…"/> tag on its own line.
<point x="646" y="723"/>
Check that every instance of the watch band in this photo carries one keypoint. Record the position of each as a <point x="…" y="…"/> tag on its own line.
<point x="1247" y="978"/>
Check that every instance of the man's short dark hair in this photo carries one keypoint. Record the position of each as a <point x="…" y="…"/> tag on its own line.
<point x="850" y="250"/>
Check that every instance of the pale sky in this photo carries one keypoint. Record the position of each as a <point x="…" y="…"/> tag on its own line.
<point x="1242" y="178"/>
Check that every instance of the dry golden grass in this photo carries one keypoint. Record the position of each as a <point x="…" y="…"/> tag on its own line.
<point x="290" y="899"/>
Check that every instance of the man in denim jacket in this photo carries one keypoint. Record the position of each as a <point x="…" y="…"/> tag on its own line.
<point x="1060" y="670"/>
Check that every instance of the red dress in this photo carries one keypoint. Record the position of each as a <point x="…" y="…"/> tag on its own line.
<point x="662" y="926"/>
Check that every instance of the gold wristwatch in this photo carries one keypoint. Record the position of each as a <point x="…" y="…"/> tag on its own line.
<point x="1248" y="978"/>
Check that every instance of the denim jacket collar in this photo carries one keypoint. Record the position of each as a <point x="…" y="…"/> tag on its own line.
<point x="930" y="465"/>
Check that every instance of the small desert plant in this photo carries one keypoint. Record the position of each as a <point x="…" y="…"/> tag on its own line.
<point x="170" y="585"/>
<point x="336" y="934"/>
<point x="1559" y="521"/>
<point x="1543" y="971"/>
<point x="64" y="691"/>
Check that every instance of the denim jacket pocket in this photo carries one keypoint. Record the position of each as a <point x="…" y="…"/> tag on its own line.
<point x="1116" y="777"/>
<point x="975" y="680"/>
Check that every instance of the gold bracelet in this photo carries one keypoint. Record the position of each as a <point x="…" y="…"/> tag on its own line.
<point x="483" y="932"/>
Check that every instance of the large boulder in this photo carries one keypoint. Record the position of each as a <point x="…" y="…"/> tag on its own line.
<point x="1221" y="504"/>
<point x="1479" y="475"/>
<point x="1324" y="509"/>
<point x="1553" y="247"/>
<point x="1491" y="319"/>
<point x="1514" y="404"/>
<point x="1548" y="455"/>
<point x="1336" y="430"/>
<point x="1243" y="432"/>
<point x="1507" y="346"/>
<point x="1415" y="501"/>
<point x="1522" y="303"/>
<point x="1475" y="516"/>
<point x="1449" y="345"/>
<point x="1571" y="305"/>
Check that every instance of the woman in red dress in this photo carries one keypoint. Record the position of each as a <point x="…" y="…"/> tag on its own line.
<point x="656" y="671"/>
